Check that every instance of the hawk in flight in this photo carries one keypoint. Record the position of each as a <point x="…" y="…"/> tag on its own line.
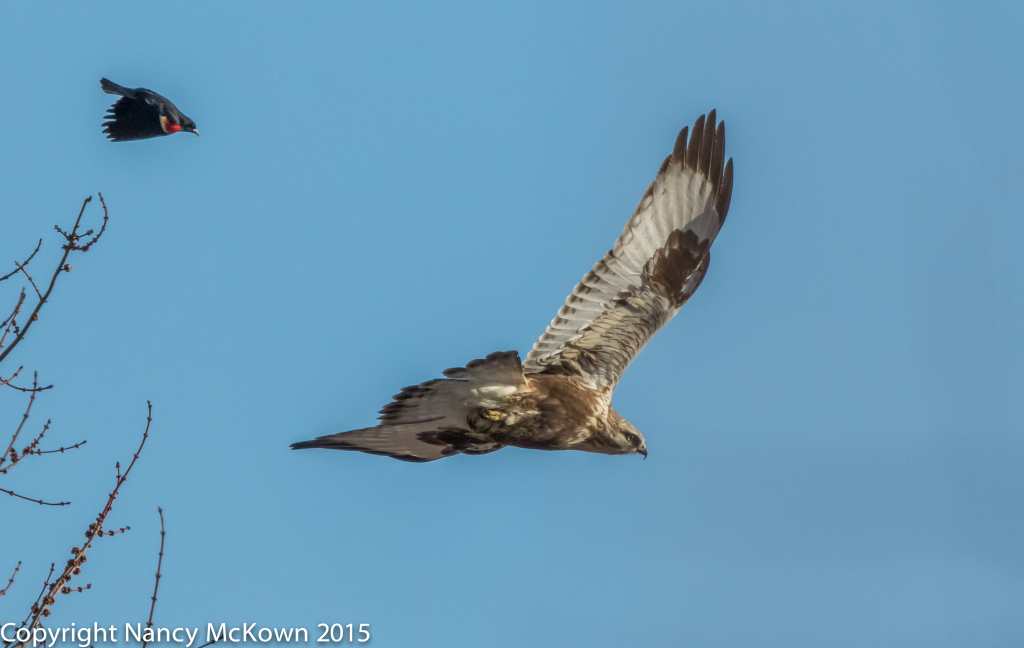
<point x="560" y="398"/>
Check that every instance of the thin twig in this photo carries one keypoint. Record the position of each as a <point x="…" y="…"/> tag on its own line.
<point x="60" y="450"/>
<point x="30" y="280"/>
<point x="114" y="532"/>
<point x="40" y="502"/>
<point x="11" y="581"/>
<point x="159" y="564"/>
<point x="14" y="313"/>
<point x="28" y="389"/>
<point x="22" y="265"/>
<point x="42" y="593"/>
<point x="103" y="227"/>
<point x="13" y="376"/>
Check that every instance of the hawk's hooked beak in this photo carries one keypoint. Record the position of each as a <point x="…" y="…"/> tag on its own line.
<point x="642" y="451"/>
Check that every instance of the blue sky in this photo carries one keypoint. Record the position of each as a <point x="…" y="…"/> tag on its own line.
<point x="382" y="191"/>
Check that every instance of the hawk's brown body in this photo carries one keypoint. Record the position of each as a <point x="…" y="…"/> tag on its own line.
<point x="552" y="413"/>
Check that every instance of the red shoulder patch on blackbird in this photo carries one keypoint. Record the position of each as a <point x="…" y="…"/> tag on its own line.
<point x="168" y="126"/>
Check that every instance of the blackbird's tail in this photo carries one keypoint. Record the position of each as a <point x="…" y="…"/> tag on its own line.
<point x="112" y="88"/>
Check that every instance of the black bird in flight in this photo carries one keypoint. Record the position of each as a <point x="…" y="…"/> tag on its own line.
<point x="142" y="113"/>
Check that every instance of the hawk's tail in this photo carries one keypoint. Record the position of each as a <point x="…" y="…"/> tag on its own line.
<point x="430" y="420"/>
<point x="397" y="443"/>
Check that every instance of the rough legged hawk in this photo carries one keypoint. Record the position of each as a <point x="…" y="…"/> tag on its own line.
<point x="560" y="398"/>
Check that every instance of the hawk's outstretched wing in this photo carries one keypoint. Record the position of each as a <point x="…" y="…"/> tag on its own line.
<point x="655" y="266"/>
<point x="431" y="420"/>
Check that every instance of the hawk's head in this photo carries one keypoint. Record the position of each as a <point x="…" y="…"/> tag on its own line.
<point x="625" y="438"/>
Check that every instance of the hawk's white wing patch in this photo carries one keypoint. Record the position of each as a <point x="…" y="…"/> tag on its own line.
<point x="654" y="267"/>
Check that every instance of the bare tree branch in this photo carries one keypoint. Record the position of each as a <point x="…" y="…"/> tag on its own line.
<point x="9" y="322"/>
<point x="28" y="450"/>
<point x="24" y="417"/>
<point x="95" y="530"/>
<point x="35" y="606"/>
<point x="26" y="389"/>
<point x="22" y="264"/>
<point x="23" y="271"/>
<point x="159" y="564"/>
<point x="13" y="376"/>
<point x="40" y="502"/>
<point x="11" y="581"/>
<point x="61" y="449"/>
<point x="31" y="449"/>
<point x="7" y="383"/>
<point x="13" y="330"/>
<point x="73" y="242"/>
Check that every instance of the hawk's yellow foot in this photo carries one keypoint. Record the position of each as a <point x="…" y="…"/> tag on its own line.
<point x="493" y="415"/>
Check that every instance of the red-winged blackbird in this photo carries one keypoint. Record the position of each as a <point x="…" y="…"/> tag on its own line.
<point x="142" y="113"/>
